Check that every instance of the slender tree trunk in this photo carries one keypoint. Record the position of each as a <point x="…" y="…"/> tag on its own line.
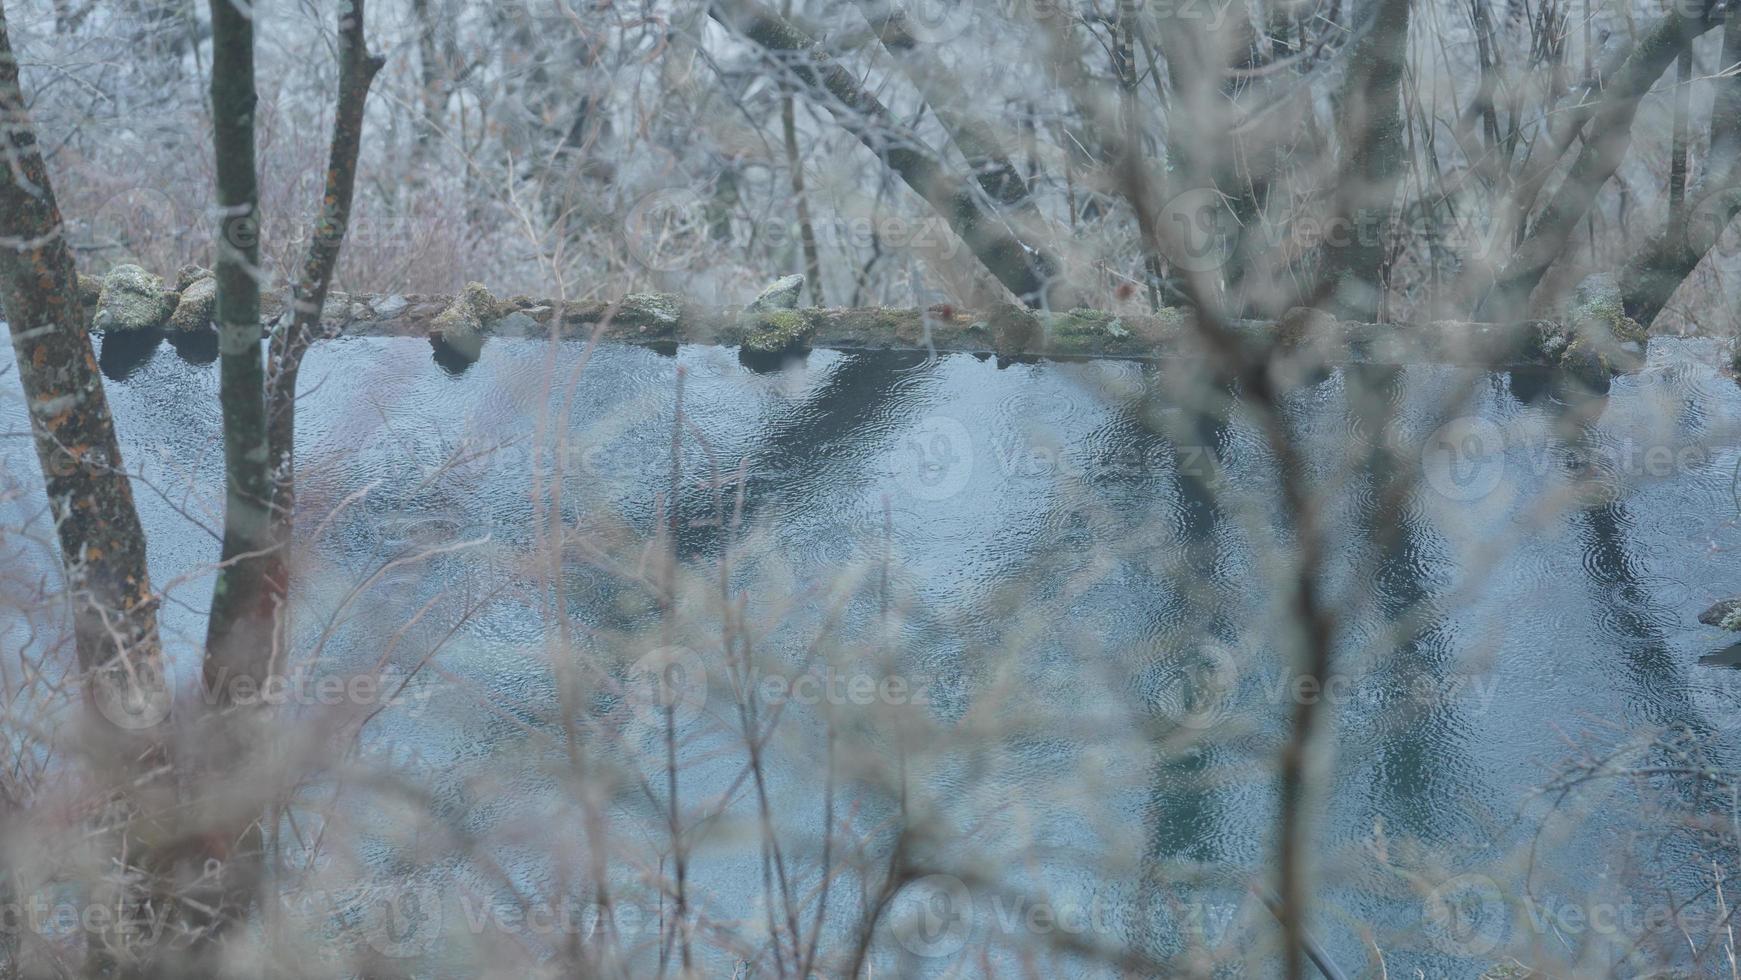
<point x="806" y="229"/>
<point x="357" y="70"/>
<point x="1607" y="138"/>
<point x="237" y="637"/>
<point x="1657" y="270"/>
<point x="1372" y="131"/>
<point x="944" y="93"/>
<point x="241" y="631"/>
<point x="1026" y="270"/>
<point x="1677" y="156"/>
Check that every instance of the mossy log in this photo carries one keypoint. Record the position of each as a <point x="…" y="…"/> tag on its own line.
<point x="1009" y="331"/>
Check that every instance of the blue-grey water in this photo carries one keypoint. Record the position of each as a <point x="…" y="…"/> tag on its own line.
<point x="1077" y="574"/>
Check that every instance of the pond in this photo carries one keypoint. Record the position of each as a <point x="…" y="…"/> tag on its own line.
<point x="1034" y="610"/>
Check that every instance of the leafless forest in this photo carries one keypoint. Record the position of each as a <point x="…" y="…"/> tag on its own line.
<point x="1301" y="440"/>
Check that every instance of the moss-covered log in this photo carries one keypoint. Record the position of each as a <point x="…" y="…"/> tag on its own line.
<point x="659" y="319"/>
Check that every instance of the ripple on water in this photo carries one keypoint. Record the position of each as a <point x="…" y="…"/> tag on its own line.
<point x="1015" y="569"/>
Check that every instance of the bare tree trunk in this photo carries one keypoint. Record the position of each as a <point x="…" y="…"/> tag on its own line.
<point x="102" y="544"/>
<point x="942" y="92"/>
<point x="806" y="229"/>
<point x="357" y="70"/>
<point x="1372" y="129"/>
<point x="1658" y="269"/>
<point x="240" y="633"/>
<point x="242" y="611"/>
<point x="1607" y="138"/>
<point x="1026" y="270"/>
<point x="1677" y="155"/>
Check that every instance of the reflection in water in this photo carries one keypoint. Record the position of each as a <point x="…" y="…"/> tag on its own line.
<point x="1087" y="564"/>
<point x="449" y="358"/>
<point x="195" y="346"/>
<point x="123" y="352"/>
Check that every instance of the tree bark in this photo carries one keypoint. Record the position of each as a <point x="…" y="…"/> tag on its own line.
<point x="991" y="165"/>
<point x="357" y="70"/>
<point x="102" y="544"/>
<point x="1659" y="268"/>
<point x="238" y="632"/>
<point x="1026" y="270"/>
<point x="1372" y="129"/>
<point x="1607" y="138"/>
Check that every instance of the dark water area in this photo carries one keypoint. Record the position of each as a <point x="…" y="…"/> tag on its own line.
<point x="1082" y="565"/>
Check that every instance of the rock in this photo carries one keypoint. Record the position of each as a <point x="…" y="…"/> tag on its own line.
<point x="1586" y="360"/>
<point x="189" y="274"/>
<point x="1726" y="614"/>
<point x="90" y="290"/>
<point x="197" y="307"/>
<point x="461" y="325"/>
<point x="1595" y="312"/>
<point x="388" y="307"/>
<point x="777" y="331"/>
<point x="663" y="311"/>
<point x="782" y="295"/>
<point x="132" y="299"/>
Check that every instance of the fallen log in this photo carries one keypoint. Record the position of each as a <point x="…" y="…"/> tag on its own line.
<point x="465" y="322"/>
